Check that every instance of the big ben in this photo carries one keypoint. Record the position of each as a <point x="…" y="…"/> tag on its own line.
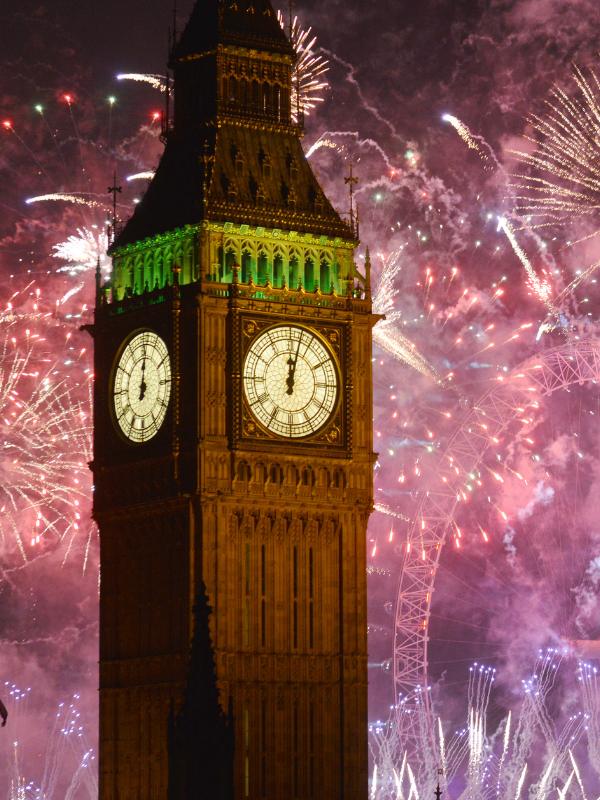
<point x="233" y="436"/>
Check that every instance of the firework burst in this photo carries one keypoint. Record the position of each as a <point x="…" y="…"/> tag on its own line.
<point x="561" y="182"/>
<point x="44" y="447"/>
<point x="529" y="750"/>
<point x="68" y="761"/>
<point x="83" y="251"/>
<point x="309" y="81"/>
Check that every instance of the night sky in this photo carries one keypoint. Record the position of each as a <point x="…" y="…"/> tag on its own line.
<point x="428" y="204"/>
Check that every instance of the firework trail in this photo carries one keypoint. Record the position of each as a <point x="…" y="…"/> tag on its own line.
<point x="324" y="142"/>
<point x="58" y="197"/>
<point x="401" y="348"/>
<point x="472" y="141"/>
<point x="386" y="333"/>
<point x="158" y="82"/>
<point x="140" y="176"/>
<point x="540" y="287"/>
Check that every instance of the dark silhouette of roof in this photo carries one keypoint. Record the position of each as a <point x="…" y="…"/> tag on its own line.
<point x="245" y="23"/>
<point x="237" y="188"/>
<point x="233" y="159"/>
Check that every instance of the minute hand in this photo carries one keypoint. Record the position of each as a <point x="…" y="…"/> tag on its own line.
<point x="292" y="368"/>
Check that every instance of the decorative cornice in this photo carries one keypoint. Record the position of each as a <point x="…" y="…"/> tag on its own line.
<point x="235" y="228"/>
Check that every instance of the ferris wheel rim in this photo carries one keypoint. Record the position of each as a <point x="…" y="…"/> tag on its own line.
<point x="550" y="372"/>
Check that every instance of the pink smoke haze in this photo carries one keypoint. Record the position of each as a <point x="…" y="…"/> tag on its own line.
<point x="465" y="312"/>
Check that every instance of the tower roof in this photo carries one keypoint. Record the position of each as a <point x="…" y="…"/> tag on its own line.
<point x="233" y="153"/>
<point x="251" y="24"/>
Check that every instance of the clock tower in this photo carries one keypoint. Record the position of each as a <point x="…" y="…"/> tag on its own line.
<point x="233" y="436"/>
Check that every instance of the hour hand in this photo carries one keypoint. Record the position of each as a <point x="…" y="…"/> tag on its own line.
<point x="143" y="386"/>
<point x="290" y="378"/>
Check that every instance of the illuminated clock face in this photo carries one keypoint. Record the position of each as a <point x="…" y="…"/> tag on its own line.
<point x="290" y="381"/>
<point x="141" y="386"/>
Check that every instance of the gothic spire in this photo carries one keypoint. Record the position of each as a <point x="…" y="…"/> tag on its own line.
<point x="201" y="734"/>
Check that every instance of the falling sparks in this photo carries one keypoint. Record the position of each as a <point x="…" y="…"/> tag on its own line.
<point x="386" y="333"/>
<point x="540" y="287"/>
<point x="392" y="341"/>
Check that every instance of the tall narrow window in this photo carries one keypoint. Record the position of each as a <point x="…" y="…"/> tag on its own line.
<point x="263" y="269"/>
<point x="246" y="612"/>
<point x="311" y="599"/>
<point x="295" y="597"/>
<point x="233" y="90"/>
<point x="325" y="277"/>
<point x="295" y="741"/>
<point x="278" y="272"/>
<point x="294" y="277"/>
<point x="263" y="747"/>
<point x="277" y="101"/>
<point x="309" y="275"/>
<point x="267" y="102"/>
<point x="246" y="267"/>
<point x="311" y="749"/>
<point x="246" y="753"/>
<point x="263" y="595"/>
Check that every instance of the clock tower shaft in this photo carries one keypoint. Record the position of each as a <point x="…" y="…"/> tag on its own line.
<point x="233" y="241"/>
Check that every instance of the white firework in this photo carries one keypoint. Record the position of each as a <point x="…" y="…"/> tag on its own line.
<point x="309" y="81"/>
<point x="527" y="754"/>
<point x="81" y="252"/>
<point x="44" y="449"/>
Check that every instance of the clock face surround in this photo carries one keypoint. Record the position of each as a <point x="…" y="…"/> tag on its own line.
<point x="141" y="386"/>
<point x="290" y="381"/>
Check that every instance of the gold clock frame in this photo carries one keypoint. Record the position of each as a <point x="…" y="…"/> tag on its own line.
<point x="131" y="335"/>
<point x="334" y="435"/>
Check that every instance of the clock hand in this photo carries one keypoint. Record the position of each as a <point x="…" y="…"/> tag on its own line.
<point x="291" y="362"/>
<point x="290" y="378"/>
<point x="143" y="386"/>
